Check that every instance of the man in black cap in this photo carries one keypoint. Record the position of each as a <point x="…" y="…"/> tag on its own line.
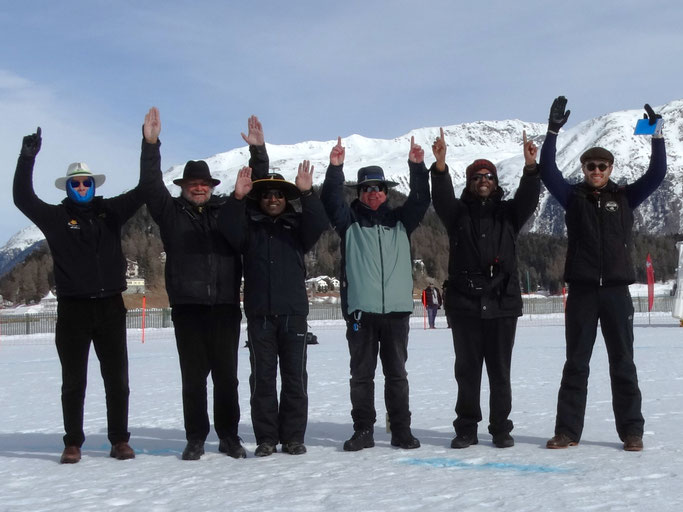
<point x="84" y="236"/>
<point x="598" y="269"/>
<point x="261" y="222"/>
<point x="377" y="288"/>
<point x="483" y="295"/>
<point x="203" y="275"/>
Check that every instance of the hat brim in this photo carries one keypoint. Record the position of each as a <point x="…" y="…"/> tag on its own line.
<point x="99" y="179"/>
<point x="386" y="183"/>
<point x="214" y="182"/>
<point x="290" y="190"/>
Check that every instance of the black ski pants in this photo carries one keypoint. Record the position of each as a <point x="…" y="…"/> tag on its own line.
<point x="271" y="338"/>
<point x="613" y="307"/>
<point x="103" y="322"/>
<point x="207" y="338"/>
<point x="477" y="341"/>
<point x="387" y="335"/>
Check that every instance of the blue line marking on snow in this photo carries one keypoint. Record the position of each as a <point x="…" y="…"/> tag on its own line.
<point x="503" y="466"/>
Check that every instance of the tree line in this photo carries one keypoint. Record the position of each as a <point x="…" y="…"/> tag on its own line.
<point x="540" y="257"/>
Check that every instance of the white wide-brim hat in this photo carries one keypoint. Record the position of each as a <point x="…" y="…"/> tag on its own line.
<point x="79" y="169"/>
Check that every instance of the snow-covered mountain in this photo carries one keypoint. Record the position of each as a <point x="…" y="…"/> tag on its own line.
<point x="19" y="246"/>
<point x="498" y="141"/>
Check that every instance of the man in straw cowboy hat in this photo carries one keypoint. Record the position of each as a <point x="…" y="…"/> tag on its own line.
<point x="261" y="222"/>
<point x="203" y="276"/>
<point x="84" y="236"/>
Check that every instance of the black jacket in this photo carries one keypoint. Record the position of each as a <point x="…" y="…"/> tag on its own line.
<point x="273" y="249"/>
<point x="85" y="240"/>
<point x="482" y="265"/>
<point x="201" y="268"/>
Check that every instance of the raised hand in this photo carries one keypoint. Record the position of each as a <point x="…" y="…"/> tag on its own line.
<point x="338" y="153"/>
<point x="152" y="126"/>
<point x="304" y="177"/>
<point x="243" y="183"/>
<point x="255" y="136"/>
<point x="30" y="145"/>
<point x="416" y="154"/>
<point x="439" y="151"/>
<point x="558" y="117"/>
<point x="651" y="116"/>
<point x="530" y="150"/>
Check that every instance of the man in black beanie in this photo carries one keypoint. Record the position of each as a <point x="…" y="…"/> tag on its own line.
<point x="598" y="269"/>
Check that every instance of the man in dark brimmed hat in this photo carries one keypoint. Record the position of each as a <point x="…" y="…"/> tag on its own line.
<point x="377" y="289"/>
<point x="203" y="276"/>
<point x="483" y="297"/>
<point x="84" y="236"/>
<point x="598" y="269"/>
<point x="260" y="222"/>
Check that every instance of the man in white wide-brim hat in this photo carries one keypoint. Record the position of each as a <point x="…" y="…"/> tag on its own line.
<point x="84" y="236"/>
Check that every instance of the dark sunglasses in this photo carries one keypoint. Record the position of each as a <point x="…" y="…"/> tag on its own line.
<point x="87" y="183"/>
<point x="479" y="177"/>
<point x="277" y="194"/>
<point x="591" y="166"/>
<point x="373" y="188"/>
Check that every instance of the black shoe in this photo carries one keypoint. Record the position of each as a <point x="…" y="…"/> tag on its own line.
<point x="503" y="441"/>
<point x="232" y="447"/>
<point x="264" y="449"/>
<point x="406" y="441"/>
<point x="359" y="440"/>
<point x="294" y="448"/>
<point x="193" y="450"/>
<point x="464" y="440"/>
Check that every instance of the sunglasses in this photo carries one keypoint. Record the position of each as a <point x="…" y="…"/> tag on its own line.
<point x="591" y="166"/>
<point x="479" y="177"/>
<point x="87" y="183"/>
<point x="373" y="188"/>
<point x="277" y="194"/>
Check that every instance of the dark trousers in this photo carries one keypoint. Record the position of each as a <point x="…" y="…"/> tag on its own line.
<point x="431" y="315"/>
<point x="388" y="336"/>
<point x="614" y="308"/>
<point x="102" y="322"/>
<point x="284" y="338"/>
<point x="476" y="341"/>
<point x="207" y="338"/>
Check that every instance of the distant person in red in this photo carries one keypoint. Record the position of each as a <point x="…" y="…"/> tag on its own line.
<point x="598" y="270"/>
<point x="84" y="236"/>
<point x="431" y="299"/>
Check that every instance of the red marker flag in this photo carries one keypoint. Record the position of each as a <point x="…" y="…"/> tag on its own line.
<point x="650" y="282"/>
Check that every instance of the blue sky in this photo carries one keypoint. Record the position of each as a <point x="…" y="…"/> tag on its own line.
<point x="87" y="71"/>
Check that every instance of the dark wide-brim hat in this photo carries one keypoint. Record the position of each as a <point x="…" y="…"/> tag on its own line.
<point x="274" y="181"/>
<point x="597" y="153"/>
<point x="372" y="174"/>
<point x="197" y="170"/>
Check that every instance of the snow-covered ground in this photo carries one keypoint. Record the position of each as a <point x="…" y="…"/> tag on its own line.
<point x="596" y="475"/>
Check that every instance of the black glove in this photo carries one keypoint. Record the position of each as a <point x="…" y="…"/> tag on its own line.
<point x="651" y="116"/>
<point x="31" y="144"/>
<point x="558" y="117"/>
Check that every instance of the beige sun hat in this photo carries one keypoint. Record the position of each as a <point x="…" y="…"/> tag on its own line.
<point x="79" y="169"/>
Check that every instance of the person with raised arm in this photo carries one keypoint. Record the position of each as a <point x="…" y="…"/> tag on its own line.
<point x="598" y="270"/>
<point x="483" y="297"/>
<point x="377" y="288"/>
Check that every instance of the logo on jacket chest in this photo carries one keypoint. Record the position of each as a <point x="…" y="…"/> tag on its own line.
<point x="73" y="224"/>
<point x="611" y="206"/>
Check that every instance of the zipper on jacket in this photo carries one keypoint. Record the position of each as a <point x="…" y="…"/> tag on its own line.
<point x="600" y="229"/>
<point x="381" y="263"/>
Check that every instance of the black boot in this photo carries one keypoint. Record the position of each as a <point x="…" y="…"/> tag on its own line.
<point x="193" y="450"/>
<point x="359" y="440"/>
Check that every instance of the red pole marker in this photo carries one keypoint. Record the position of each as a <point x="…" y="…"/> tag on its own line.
<point x="144" y="303"/>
